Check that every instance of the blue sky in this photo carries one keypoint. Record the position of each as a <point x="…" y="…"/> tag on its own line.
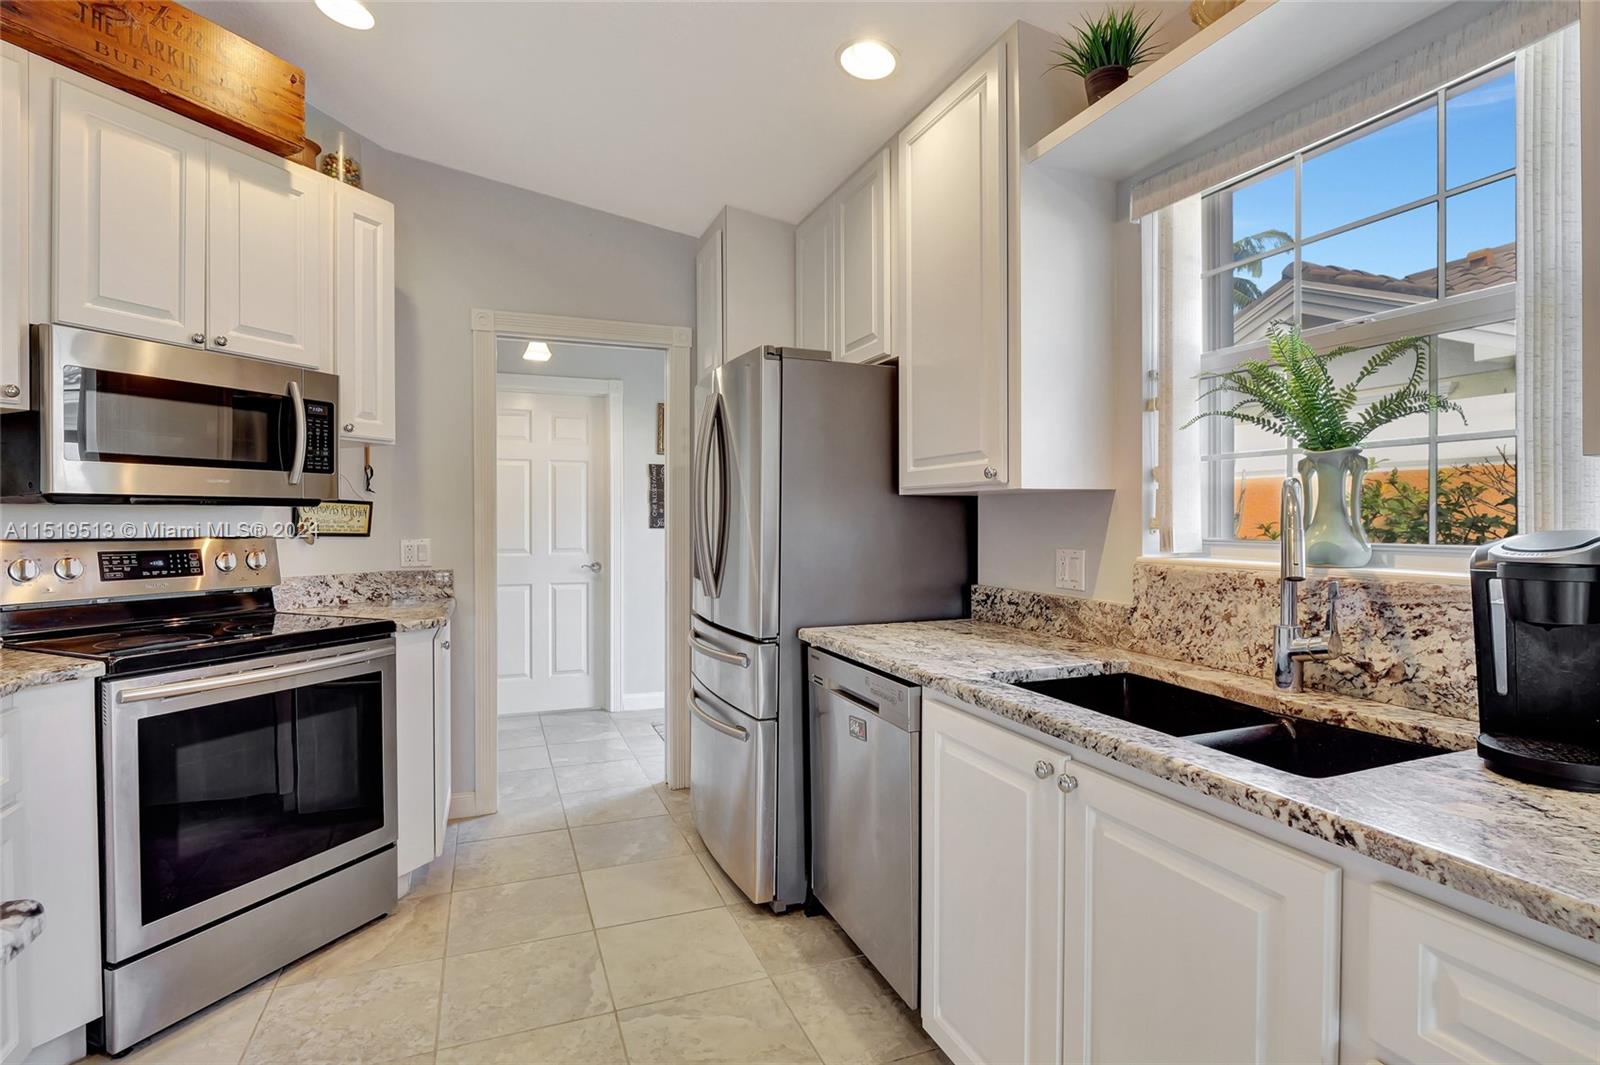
<point x="1394" y="164"/>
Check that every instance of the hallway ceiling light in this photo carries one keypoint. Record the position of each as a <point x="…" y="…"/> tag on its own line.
<point x="537" y="351"/>
<point x="868" y="60"/>
<point x="352" y="13"/>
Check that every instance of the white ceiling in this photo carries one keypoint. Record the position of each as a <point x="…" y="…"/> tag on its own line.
<point x="657" y="111"/>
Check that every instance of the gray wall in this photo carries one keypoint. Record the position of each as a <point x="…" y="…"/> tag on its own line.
<point x="643" y="375"/>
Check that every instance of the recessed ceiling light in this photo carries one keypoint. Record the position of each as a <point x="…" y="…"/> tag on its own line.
<point x="868" y="60"/>
<point x="537" y="351"/>
<point x="352" y="13"/>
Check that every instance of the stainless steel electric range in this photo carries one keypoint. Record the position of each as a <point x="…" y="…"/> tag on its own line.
<point x="247" y="772"/>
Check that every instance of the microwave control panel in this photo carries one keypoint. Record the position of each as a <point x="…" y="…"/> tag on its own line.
<point x="320" y="439"/>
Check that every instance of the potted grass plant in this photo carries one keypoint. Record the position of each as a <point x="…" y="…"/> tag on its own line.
<point x="1292" y="393"/>
<point x="1103" y="50"/>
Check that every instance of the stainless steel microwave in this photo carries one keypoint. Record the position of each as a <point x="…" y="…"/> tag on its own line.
<point x="125" y="420"/>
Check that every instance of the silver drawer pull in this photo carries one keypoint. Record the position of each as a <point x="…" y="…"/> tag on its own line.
<point x="1067" y="782"/>
<point x="733" y="658"/>
<point x="21" y="921"/>
<point x="732" y="731"/>
<point x="255" y="676"/>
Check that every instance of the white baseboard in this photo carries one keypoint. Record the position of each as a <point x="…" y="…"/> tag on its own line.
<point x="463" y="804"/>
<point x="644" y="700"/>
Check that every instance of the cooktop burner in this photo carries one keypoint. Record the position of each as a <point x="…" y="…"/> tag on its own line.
<point x="145" y="642"/>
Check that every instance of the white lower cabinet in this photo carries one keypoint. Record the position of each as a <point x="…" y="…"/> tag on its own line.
<point x="50" y="853"/>
<point x="421" y="745"/>
<point x="1070" y="916"/>
<point x="1440" y="986"/>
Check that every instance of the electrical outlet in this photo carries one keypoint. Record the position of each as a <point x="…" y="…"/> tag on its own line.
<point x="1070" y="569"/>
<point x="411" y="553"/>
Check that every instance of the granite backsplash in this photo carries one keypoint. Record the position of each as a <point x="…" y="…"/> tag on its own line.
<point x="1407" y="640"/>
<point x="378" y="586"/>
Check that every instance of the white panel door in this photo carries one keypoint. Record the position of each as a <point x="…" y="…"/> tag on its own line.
<point x="708" y="302"/>
<point x="267" y="259"/>
<point x="991" y="890"/>
<point x="951" y="320"/>
<point x="14" y="217"/>
<point x="363" y="313"/>
<point x="552" y="537"/>
<point x="1442" y="987"/>
<point x="863" y="286"/>
<point x="814" y="279"/>
<point x="1235" y="936"/>
<point x="130" y="221"/>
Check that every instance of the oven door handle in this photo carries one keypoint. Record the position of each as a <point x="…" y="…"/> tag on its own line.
<point x="201" y="685"/>
<point x="297" y="465"/>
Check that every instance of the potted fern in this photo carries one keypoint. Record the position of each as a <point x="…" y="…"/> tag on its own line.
<point x="1103" y="50"/>
<point x="1291" y="393"/>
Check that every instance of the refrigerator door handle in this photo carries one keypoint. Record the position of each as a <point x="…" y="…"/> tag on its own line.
<point x="715" y="550"/>
<point x="731" y="731"/>
<point x="697" y="518"/>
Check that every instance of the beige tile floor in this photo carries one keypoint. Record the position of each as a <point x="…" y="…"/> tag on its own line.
<point x="583" y="922"/>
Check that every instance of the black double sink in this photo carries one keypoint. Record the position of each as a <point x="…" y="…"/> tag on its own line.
<point x="1304" y="748"/>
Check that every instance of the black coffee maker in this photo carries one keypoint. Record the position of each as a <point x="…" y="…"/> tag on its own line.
<point x="1536" y="624"/>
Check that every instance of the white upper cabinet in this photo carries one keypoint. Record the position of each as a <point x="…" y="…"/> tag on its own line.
<point x="992" y="817"/>
<point x="130" y="220"/>
<point x="1237" y="937"/>
<point x="267" y="259"/>
<point x="814" y="279"/>
<point x="1002" y="316"/>
<point x="708" y="302"/>
<point x="14" y="203"/>
<point x="863" y="288"/>
<point x="363" y="346"/>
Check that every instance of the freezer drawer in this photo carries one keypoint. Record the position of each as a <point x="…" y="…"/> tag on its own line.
<point x="733" y="790"/>
<point x="741" y="672"/>
<point x="866" y="813"/>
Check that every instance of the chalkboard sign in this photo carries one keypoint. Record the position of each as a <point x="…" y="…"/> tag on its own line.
<point x="658" y="496"/>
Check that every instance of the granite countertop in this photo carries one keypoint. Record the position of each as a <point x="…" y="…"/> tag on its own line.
<point x="29" y="669"/>
<point x="411" y="598"/>
<point x="407" y="616"/>
<point x="1529" y="849"/>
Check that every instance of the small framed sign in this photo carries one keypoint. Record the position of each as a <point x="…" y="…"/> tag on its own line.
<point x="337" y="517"/>
<point x="658" y="496"/>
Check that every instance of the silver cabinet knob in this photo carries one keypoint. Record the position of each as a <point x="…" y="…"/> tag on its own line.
<point x="21" y="921"/>
<point x="349" y="427"/>
<point x="11" y="391"/>
<point x="69" y="568"/>
<point x="198" y="338"/>
<point x="227" y="561"/>
<point x="220" y="341"/>
<point x="1042" y="769"/>
<point x="445" y="646"/>
<point x="23" y="570"/>
<point x="1067" y="782"/>
<point x="592" y="567"/>
<point x="990" y="473"/>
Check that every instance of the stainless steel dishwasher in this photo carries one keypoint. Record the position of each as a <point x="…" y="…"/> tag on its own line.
<point x="866" y="811"/>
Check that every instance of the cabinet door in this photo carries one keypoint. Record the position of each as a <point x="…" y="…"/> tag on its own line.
<point x="951" y="318"/>
<point x="414" y="750"/>
<point x="708" y="303"/>
<point x="1442" y="987"/>
<point x="1235" y="937"/>
<point x="991" y="890"/>
<point x="267" y="257"/>
<point x="16" y="975"/>
<point x="363" y="314"/>
<point x="13" y="227"/>
<point x="441" y="736"/>
<point x="814" y="279"/>
<point x="130" y="220"/>
<point x="863" y="286"/>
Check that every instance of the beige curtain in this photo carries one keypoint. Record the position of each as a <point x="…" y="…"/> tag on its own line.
<point x="1557" y="487"/>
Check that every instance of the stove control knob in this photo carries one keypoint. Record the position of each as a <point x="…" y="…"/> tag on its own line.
<point x="256" y="559"/>
<point x="227" y="561"/>
<point x="23" y="570"/>
<point x="69" y="568"/>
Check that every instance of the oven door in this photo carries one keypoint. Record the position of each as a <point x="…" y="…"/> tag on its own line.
<point x="132" y="418"/>
<point x="229" y="784"/>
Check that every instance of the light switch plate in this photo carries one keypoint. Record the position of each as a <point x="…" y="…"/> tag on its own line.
<point x="1070" y="569"/>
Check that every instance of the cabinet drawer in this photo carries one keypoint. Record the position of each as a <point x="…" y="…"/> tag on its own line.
<point x="1443" y="987"/>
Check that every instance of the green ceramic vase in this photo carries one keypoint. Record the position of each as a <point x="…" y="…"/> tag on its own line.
<point x="1332" y="480"/>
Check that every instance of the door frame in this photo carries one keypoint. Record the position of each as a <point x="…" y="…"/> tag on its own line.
<point x="676" y="340"/>
<point x="610" y="390"/>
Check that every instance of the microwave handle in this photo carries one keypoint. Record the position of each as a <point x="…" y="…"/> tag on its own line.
<point x="297" y="401"/>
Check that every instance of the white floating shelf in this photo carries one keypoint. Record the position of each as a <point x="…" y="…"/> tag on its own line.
<point x="1245" y="59"/>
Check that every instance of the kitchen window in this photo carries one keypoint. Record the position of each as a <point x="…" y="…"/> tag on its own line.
<point x="1404" y="226"/>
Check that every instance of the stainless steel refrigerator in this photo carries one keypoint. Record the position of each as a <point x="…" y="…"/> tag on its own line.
<point x="797" y="521"/>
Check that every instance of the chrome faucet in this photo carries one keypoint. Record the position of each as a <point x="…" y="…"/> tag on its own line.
<point x="1290" y="648"/>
